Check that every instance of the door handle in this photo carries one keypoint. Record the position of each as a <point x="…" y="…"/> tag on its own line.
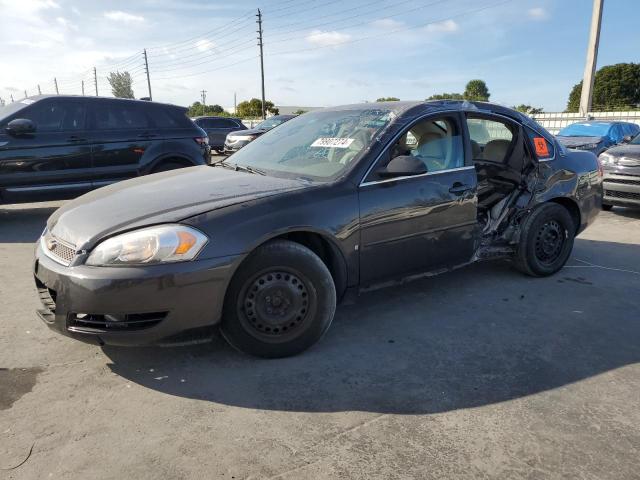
<point x="459" y="188"/>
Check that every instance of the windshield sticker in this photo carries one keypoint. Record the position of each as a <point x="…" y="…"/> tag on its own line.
<point x="332" y="142"/>
<point x="541" y="147"/>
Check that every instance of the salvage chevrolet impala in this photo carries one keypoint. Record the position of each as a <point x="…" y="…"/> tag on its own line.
<point x="265" y="245"/>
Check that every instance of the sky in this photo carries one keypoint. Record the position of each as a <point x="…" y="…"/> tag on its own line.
<point x="316" y="52"/>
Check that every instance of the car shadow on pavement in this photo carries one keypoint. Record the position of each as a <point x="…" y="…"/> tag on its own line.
<point x="473" y="337"/>
<point x="23" y="224"/>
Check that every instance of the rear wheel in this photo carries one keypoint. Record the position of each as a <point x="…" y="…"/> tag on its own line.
<point x="546" y="240"/>
<point x="280" y="302"/>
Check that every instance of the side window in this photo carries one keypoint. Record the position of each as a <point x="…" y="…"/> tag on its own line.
<point x="56" y="116"/>
<point x="616" y="133"/>
<point x="490" y="139"/>
<point x="163" y="118"/>
<point x="436" y="142"/>
<point x="542" y="146"/>
<point x="112" y="116"/>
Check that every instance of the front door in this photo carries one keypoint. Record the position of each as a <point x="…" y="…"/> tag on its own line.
<point x="422" y="223"/>
<point x="54" y="161"/>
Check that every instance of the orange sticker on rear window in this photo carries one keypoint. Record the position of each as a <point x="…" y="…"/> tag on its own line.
<point x="541" y="147"/>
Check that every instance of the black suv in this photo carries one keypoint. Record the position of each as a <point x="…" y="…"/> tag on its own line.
<point x="217" y="129"/>
<point x="56" y="147"/>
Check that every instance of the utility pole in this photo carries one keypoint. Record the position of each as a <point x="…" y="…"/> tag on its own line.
<point x="260" y="44"/>
<point x="592" y="58"/>
<point x="82" y="82"/>
<point x="12" y="100"/>
<point x="55" y="82"/>
<point x="39" y="92"/>
<point x="95" y="80"/>
<point x="146" y="70"/>
<point x="203" y="94"/>
<point x="25" y="94"/>
<point x="235" y="104"/>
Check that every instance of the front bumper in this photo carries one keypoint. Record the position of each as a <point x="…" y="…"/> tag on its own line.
<point x="155" y="304"/>
<point x="622" y="188"/>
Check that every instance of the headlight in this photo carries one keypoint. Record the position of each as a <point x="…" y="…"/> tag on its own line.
<point x="161" y="244"/>
<point x="605" y="159"/>
<point x="242" y="138"/>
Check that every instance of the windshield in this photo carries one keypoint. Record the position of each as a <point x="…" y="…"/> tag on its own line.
<point x="585" y="130"/>
<point x="636" y="139"/>
<point x="269" y="123"/>
<point x="320" y="145"/>
<point x="11" y="108"/>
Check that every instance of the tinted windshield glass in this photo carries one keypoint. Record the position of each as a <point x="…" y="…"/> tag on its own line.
<point x="585" y="130"/>
<point x="13" y="107"/>
<point x="269" y="123"/>
<point x="320" y="145"/>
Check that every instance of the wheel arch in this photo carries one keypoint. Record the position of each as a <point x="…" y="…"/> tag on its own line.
<point x="573" y="209"/>
<point x="170" y="158"/>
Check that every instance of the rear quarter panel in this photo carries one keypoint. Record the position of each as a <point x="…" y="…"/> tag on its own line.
<point x="575" y="176"/>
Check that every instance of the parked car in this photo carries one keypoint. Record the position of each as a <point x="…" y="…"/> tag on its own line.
<point x="55" y="147"/>
<point x="596" y="136"/>
<point x="217" y="129"/>
<point x="622" y="175"/>
<point x="267" y="242"/>
<point x="236" y="140"/>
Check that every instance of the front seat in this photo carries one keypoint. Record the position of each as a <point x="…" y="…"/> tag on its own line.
<point x="431" y="151"/>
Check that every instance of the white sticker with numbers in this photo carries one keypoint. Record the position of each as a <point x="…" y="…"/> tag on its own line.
<point x="332" y="142"/>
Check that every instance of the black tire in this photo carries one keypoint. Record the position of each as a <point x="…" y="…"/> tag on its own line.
<point x="546" y="240"/>
<point x="166" y="166"/>
<point x="606" y="207"/>
<point x="280" y="302"/>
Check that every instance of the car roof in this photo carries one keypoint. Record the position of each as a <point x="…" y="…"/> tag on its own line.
<point x="215" y="117"/>
<point x="92" y="98"/>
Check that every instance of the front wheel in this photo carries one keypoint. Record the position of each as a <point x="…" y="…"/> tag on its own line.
<point x="280" y="302"/>
<point x="546" y="240"/>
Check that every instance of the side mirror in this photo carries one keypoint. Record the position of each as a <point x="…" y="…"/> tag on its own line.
<point x="402" y="166"/>
<point x="627" y="138"/>
<point x="20" y="126"/>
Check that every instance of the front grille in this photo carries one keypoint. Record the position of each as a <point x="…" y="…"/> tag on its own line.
<point x="84" y="322"/>
<point x="623" y="195"/>
<point x="48" y="299"/>
<point x="58" y="250"/>
<point x="624" y="181"/>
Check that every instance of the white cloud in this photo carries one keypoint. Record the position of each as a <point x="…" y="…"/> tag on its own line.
<point x="124" y="17"/>
<point x="387" y="23"/>
<point x="204" y="45"/>
<point x="66" y="23"/>
<point x="446" y="26"/>
<point x="320" y="38"/>
<point x="537" y="13"/>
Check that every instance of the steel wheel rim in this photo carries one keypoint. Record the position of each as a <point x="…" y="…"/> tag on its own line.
<point x="275" y="305"/>
<point x="549" y="242"/>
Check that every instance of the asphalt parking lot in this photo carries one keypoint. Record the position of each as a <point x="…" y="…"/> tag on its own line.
<point x="479" y="373"/>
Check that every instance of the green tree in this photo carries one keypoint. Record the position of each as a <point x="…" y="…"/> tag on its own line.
<point x="299" y="112"/>
<point x="121" y="84"/>
<point x="476" y="90"/>
<point x="253" y="108"/>
<point x="615" y="88"/>
<point x="388" y="99"/>
<point x="197" y="109"/>
<point x="446" y="96"/>
<point x="528" y="109"/>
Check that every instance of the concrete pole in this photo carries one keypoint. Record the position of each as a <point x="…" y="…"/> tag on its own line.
<point x="592" y="58"/>
<point x="146" y="70"/>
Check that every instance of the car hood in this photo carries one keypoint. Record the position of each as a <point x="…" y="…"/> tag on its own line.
<point x="249" y="131"/>
<point x="160" y="198"/>
<point x="571" y="142"/>
<point x="626" y="155"/>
